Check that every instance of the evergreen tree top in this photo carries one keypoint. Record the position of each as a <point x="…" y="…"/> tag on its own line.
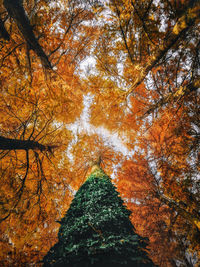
<point x="96" y="230"/>
<point x="97" y="172"/>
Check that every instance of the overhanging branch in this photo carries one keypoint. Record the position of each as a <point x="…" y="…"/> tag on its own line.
<point x="16" y="10"/>
<point x="193" y="216"/>
<point x="184" y="23"/>
<point x="14" y="144"/>
<point x="172" y="97"/>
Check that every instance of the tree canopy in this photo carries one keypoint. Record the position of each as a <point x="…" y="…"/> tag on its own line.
<point x="115" y="80"/>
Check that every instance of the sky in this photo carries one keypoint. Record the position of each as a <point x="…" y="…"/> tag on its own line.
<point x="82" y="124"/>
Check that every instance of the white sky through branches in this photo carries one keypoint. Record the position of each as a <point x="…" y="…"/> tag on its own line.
<point x="83" y="125"/>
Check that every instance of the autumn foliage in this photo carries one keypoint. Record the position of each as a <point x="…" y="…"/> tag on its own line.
<point x="142" y="88"/>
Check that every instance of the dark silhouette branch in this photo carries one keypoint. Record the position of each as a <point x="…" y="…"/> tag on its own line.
<point x="143" y="22"/>
<point x="123" y="34"/>
<point x="16" y="10"/>
<point x="182" y="209"/>
<point x="20" y="191"/>
<point x="14" y="144"/>
<point x="3" y="32"/>
<point x="184" y="23"/>
<point x="172" y="97"/>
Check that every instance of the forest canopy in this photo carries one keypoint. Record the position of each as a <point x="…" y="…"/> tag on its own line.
<point x="89" y="80"/>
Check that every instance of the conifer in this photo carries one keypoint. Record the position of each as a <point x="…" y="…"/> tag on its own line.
<point x="96" y="230"/>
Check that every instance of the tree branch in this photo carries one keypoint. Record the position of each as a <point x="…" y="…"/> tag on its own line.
<point x="174" y="96"/>
<point x="193" y="217"/>
<point x="184" y="23"/>
<point x="123" y="34"/>
<point x="16" y="10"/>
<point x="14" y="144"/>
<point x="3" y="32"/>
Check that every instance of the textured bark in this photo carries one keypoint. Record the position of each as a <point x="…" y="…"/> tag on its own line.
<point x="16" y="11"/>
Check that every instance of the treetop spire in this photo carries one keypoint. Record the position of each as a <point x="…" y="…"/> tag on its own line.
<point x="95" y="167"/>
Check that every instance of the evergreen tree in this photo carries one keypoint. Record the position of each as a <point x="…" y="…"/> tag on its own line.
<point x="96" y="230"/>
